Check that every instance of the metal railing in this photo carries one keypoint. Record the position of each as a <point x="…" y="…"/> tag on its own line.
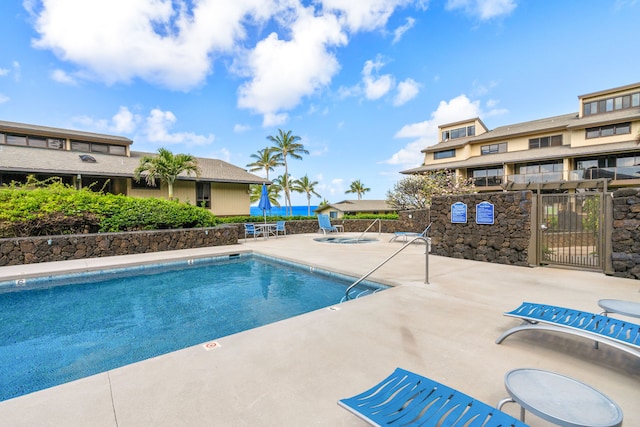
<point x="371" y="225"/>
<point x="426" y="262"/>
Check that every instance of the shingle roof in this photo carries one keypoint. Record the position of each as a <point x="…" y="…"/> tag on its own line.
<point x="41" y="160"/>
<point x="530" y="155"/>
<point x="23" y="128"/>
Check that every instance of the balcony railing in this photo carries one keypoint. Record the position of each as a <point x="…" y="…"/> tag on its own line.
<point x="620" y="173"/>
<point x="535" y="177"/>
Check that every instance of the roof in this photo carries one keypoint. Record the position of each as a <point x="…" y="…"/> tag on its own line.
<point x="359" y="206"/>
<point x="538" y="154"/>
<point x="47" y="161"/>
<point x="22" y="128"/>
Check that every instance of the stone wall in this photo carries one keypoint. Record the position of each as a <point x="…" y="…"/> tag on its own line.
<point x="625" y="236"/>
<point x="504" y="242"/>
<point x="29" y="250"/>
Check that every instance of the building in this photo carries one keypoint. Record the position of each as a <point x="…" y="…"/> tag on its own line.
<point x="594" y="147"/>
<point x="106" y="162"/>
<point x="355" y="207"/>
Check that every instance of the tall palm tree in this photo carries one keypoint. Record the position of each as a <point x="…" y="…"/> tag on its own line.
<point x="305" y="185"/>
<point x="287" y="145"/>
<point x="166" y="167"/>
<point x="265" y="160"/>
<point x="284" y="183"/>
<point x="358" y="188"/>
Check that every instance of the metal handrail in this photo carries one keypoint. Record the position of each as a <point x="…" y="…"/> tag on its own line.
<point x="426" y="260"/>
<point x="371" y="225"/>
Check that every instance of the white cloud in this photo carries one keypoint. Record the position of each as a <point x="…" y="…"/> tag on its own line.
<point x="483" y="9"/>
<point x="366" y="15"/>
<point x="4" y="98"/>
<point x="158" y="126"/>
<point x="124" y="121"/>
<point x="284" y="71"/>
<point x="238" y="128"/>
<point x="399" y="32"/>
<point x="17" y="73"/>
<point x="61" y="76"/>
<point x="376" y="86"/>
<point x="407" y="90"/>
<point x="426" y="132"/>
<point x="4" y="72"/>
<point x="119" y="40"/>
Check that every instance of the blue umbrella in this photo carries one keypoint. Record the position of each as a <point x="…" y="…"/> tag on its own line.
<point x="265" y="203"/>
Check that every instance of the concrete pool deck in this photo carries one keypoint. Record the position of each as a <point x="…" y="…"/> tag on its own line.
<point x="291" y="373"/>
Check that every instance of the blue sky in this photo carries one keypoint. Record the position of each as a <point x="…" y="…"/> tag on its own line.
<point x="364" y="83"/>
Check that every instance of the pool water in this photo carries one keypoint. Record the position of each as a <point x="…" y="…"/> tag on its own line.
<point x="53" y="332"/>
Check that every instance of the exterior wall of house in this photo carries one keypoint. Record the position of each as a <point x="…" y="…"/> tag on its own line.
<point x="230" y="199"/>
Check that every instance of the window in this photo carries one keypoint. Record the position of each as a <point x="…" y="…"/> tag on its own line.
<point x="609" y="130"/>
<point x="80" y="146"/>
<point x="444" y="154"/>
<point x="545" y="141"/>
<point x="493" y="148"/>
<point x="16" y="140"/>
<point x="203" y="194"/>
<point x="611" y="104"/>
<point x="459" y="132"/>
<point x="487" y="177"/>
<point x="96" y="147"/>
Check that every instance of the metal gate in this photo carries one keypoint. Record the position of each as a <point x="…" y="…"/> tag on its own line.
<point x="570" y="231"/>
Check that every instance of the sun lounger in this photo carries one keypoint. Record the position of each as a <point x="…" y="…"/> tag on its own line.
<point x="405" y="235"/>
<point x="325" y="224"/>
<point x="616" y="333"/>
<point x="408" y="399"/>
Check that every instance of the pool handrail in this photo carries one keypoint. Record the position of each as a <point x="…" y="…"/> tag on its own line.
<point x="426" y="261"/>
<point x="371" y="225"/>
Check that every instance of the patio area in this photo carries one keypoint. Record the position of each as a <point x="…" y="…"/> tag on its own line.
<point x="291" y="373"/>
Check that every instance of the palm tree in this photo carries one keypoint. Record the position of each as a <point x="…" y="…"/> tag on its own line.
<point x="265" y="160"/>
<point x="358" y="188"/>
<point x="304" y="185"/>
<point x="166" y="167"/>
<point x="256" y="193"/>
<point x="284" y="183"/>
<point x="287" y="145"/>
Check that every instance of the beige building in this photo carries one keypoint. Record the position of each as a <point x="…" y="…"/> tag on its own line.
<point x="355" y="207"/>
<point x="106" y="162"/>
<point x="567" y="152"/>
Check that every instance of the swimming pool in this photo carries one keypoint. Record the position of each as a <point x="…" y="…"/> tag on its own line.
<point x="58" y="329"/>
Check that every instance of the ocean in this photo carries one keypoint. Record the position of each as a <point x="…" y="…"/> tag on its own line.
<point x="280" y="211"/>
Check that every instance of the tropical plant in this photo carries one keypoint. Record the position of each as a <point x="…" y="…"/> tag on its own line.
<point x="416" y="191"/>
<point x="287" y="145"/>
<point x="283" y="183"/>
<point x="265" y="160"/>
<point x="357" y="187"/>
<point x="166" y="167"/>
<point x="273" y="190"/>
<point x="305" y="185"/>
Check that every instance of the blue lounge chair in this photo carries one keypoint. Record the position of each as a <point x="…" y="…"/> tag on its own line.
<point x="408" y="399"/>
<point x="251" y="230"/>
<point x="325" y="224"/>
<point x="405" y="235"/>
<point x="280" y="228"/>
<point x="616" y="333"/>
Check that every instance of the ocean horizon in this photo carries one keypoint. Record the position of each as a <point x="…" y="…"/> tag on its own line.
<point x="280" y="211"/>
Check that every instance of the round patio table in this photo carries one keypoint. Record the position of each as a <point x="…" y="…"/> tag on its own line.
<point x="626" y="308"/>
<point x="560" y="400"/>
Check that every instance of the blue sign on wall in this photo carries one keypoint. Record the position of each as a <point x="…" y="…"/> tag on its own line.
<point x="484" y="213"/>
<point x="459" y="213"/>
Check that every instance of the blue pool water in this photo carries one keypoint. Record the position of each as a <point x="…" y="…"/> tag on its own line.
<point x="60" y="329"/>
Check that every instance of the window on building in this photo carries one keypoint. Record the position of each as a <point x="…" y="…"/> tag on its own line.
<point x="203" y="194"/>
<point x="487" y="176"/>
<point x="608" y="130"/>
<point x="96" y="147"/>
<point x="445" y="154"/>
<point x="16" y="140"/>
<point x="493" y="148"/>
<point x="545" y="141"/>
<point x="611" y="104"/>
<point x="459" y="132"/>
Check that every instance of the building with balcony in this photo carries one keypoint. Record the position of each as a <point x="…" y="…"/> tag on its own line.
<point x="107" y="163"/>
<point x="594" y="147"/>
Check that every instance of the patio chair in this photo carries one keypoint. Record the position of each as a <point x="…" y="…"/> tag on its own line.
<point x="405" y="235"/>
<point x="408" y="399"/>
<point x="280" y="228"/>
<point x="325" y="224"/>
<point x="251" y="230"/>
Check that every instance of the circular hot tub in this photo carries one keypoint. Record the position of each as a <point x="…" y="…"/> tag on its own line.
<point x="343" y="240"/>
